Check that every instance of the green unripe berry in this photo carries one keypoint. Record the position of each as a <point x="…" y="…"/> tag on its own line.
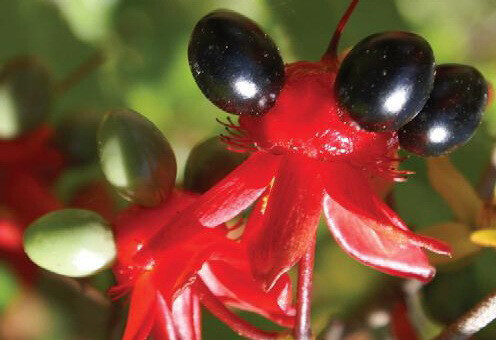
<point x="70" y="242"/>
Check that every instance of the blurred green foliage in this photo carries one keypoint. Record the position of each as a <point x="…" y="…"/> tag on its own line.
<point x="146" y="69"/>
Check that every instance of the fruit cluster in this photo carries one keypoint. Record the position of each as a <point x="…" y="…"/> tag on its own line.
<point x="388" y="82"/>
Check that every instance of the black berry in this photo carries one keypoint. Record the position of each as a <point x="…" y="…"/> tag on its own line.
<point x="385" y="80"/>
<point x="451" y="115"/>
<point x="236" y="65"/>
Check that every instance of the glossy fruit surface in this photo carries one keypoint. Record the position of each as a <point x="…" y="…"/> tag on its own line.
<point x="451" y="115"/>
<point x="135" y="157"/>
<point x="208" y="163"/>
<point x="386" y="79"/>
<point x="235" y="64"/>
<point x="71" y="242"/>
<point x="26" y="92"/>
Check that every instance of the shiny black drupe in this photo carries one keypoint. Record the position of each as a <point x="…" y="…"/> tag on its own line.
<point x="386" y="79"/>
<point x="451" y="115"/>
<point x="236" y="65"/>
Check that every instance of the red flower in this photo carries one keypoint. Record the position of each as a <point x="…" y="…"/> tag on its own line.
<point x="11" y="250"/>
<point x="28" y="166"/>
<point x="169" y="266"/>
<point x="311" y="157"/>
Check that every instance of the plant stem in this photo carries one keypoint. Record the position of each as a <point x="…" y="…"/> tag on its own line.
<point x="302" y="329"/>
<point x="85" y="289"/>
<point x="237" y="324"/>
<point x="473" y="321"/>
<point x="73" y="78"/>
<point x="331" y="54"/>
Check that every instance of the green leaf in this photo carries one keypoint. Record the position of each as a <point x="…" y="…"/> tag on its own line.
<point x="416" y="201"/>
<point x="9" y="286"/>
<point x="136" y="158"/>
<point x="454" y="189"/>
<point x="71" y="242"/>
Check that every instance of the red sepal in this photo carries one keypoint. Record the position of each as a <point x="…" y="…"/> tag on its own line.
<point x="95" y="196"/>
<point x="371" y="232"/>
<point x="157" y="240"/>
<point x="149" y="314"/>
<point x="164" y="328"/>
<point x="142" y="309"/>
<point x="375" y="244"/>
<point x="135" y="226"/>
<point x="26" y="195"/>
<point x="176" y="269"/>
<point x="10" y="234"/>
<point x="237" y="191"/>
<point x="183" y="323"/>
<point x="349" y="187"/>
<point x="33" y="151"/>
<point x="279" y="238"/>
<point x="234" y="285"/>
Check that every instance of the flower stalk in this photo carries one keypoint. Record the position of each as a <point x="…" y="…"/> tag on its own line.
<point x="473" y="321"/>
<point x="217" y="308"/>
<point x="331" y="54"/>
<point x="302" y="329"/>
<point x="74" y="77"/>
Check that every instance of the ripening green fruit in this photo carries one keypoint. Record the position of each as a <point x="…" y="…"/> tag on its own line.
<point x="26" y="93"/>
<point x="71" y="242"/>
<point x="209" y="162"/>
<point x="135" y="157"/>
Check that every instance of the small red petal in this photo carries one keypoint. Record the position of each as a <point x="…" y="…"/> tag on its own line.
<point x="238" y="190"/>
<point x="349" y="187"/>
<point x="186" y="314"/>
<point x="426" y="242"/>
<point x="141" y="310"/>
<point x="33" y="151"/>
<point x="12" y="251"/>
<point x="378" y="245"/>
<point x="135" y="226"/>
<point x="28" y="196"/>
<point x="235" y="286"/>
<point x="95" y="196"/>
<point x="10" y="235"/>
<point x="167" y="242"/>
<point x="164" y="327"/>
<point x="21" y="149"/>
<point x="290" y="220"/>
<point x="176" y="269"/>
